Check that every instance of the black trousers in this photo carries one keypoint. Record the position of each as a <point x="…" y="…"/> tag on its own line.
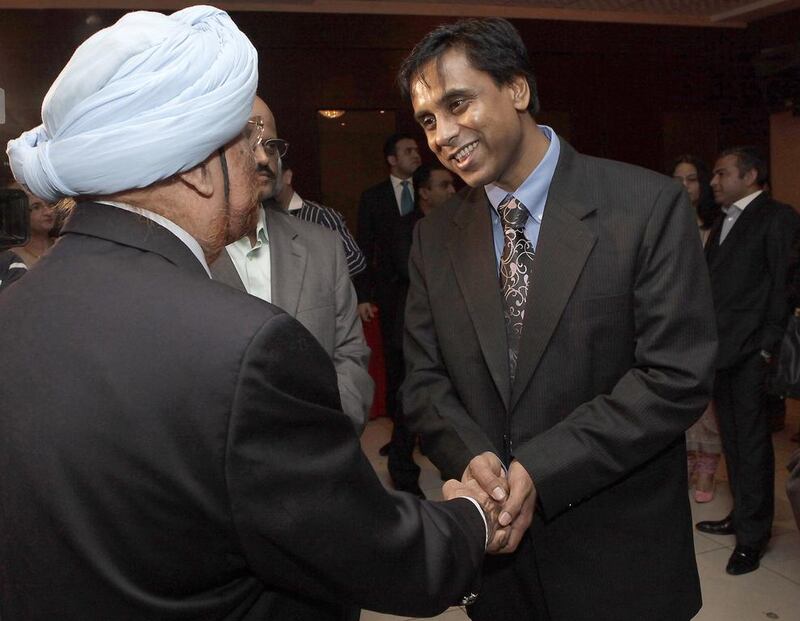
<point x="747" y="441"/>
<point x="402" y="468"/>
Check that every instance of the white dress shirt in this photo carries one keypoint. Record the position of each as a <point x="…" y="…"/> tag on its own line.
<point x="733" y="212"/>
<point x="252" y="262"/>
<point x="397" y="186"/>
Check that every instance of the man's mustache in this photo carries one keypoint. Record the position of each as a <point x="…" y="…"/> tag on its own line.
<point x="265" y="170"/>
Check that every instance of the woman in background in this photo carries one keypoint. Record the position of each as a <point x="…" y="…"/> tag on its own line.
<point x="43" y="220"/>
<point x="703" y="444"/>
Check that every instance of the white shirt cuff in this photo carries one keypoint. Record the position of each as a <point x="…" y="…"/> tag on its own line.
<point x="483" y="517"/>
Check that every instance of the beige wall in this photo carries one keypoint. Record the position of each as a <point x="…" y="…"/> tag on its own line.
<point x="784" y="153"/>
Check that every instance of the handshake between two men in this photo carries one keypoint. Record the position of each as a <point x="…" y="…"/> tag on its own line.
<point x="507" y="498"/>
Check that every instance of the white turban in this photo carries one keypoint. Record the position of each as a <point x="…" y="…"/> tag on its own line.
<point x="139" y="101"/>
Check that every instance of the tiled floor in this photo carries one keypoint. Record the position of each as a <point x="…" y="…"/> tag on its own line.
<point x="772" y="592"/>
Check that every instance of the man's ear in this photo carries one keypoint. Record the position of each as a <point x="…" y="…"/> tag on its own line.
<point x="520" y="92"/>
<point x="199" y="179"/>
<point x="392" y="159"/>
<point x="424" y="193"/>
<point x="750" y="176"/>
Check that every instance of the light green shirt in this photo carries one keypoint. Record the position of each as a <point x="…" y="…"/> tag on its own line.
<point x="252" y="261"/>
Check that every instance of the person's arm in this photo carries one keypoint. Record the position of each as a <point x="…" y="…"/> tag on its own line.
<point x="11" y="268"/>
<point x="350" y="353"/>
<point x="781" y="233"/>
<point x="356" y="263"/>
<point x="665" y="390"/>
<point x="311" y="515"/>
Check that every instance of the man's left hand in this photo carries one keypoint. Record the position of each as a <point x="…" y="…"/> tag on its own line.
<point x="517" y="511"/>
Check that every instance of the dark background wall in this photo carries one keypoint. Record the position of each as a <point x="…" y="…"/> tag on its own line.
<point x="636" y="93"/>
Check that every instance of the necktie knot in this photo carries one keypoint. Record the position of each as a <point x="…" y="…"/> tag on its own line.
<point x="513" y="213"/>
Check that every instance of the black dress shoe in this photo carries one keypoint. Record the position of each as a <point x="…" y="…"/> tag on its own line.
<point x="717" y="527"/>
<point x="744" y="560"/>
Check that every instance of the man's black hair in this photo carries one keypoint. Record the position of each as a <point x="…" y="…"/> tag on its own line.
<point x="749" y="158"/>
<point x="422" y="177"/>
<point x="491" y="45"/>
<point x="390" y="146"/>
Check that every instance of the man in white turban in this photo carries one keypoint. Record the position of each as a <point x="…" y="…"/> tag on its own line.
<point x="171" y="448"/>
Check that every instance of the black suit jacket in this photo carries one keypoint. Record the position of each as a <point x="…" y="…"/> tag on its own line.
<point x="748" y="279"/>
<point x="174" y="449"/>
<point x="383" y="236"/>
<point x="615" y="363"/>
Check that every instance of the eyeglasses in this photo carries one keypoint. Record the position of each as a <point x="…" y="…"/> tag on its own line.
<point x="254" y="131"/>
<point x="275" y="147"/>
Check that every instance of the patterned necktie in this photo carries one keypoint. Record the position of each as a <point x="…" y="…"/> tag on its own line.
<point x="406" y="201"/>
<point x="516" y="271"/>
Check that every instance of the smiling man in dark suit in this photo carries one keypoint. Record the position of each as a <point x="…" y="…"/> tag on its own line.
<point x="385" y="219"/>
<point x="748" y="258"/>
<point x="559" y="341"/>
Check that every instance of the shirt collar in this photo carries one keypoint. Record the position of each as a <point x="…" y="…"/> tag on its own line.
<point x="243" y="245"/>
<point x="533" y="191"/>
<point x="397" y="182"/>
<point x="173" y="228"/>
<point x="743" y="202"/>
<point x="295" y="203"/>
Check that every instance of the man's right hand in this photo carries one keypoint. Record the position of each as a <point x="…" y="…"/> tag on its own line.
<point x="367" y="311"/>
<point x="491" y="509"/>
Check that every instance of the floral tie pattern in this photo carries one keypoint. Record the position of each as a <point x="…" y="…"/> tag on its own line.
<point x="516" y="271"/>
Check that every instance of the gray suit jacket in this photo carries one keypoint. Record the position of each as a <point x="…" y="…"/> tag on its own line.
<point x="310" y="281"/>
<point x="615" y="363"/>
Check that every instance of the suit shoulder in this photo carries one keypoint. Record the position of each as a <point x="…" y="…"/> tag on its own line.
<point x="318" y="234"/>
<point x="626" y="176"/>
<point x="626" y="188"/>
<point x="377" y="190"/>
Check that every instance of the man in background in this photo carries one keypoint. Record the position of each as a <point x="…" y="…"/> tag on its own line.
<point x="748" y="256"/>
<point x="331" y="219"/>
<point x="385" y="219"/>
<point x="433" y="187"/>
<point x="173" y="448"/>
<point x="301" y="268"/>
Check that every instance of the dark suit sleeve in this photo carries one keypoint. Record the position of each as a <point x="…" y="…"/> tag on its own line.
<point x="781" y="233"/>
<point x="364" y="282"/>
<point x="311" y="514"/>
<point x="668" y="385"/>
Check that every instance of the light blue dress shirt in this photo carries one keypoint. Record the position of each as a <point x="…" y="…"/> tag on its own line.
<point x="532" y="193"/>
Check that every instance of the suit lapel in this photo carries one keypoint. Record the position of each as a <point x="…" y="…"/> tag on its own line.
<point x="471" y="248"/>
<point x="224" y="271"/>
<point x="288" y="258"/>
<point x="719" y="253"/>
<point x="564" y="244"/>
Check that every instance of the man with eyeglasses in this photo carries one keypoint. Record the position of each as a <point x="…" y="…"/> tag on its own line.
<point x="300" y="267"/>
